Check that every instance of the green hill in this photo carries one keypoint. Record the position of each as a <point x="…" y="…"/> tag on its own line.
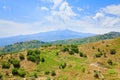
<point x="20" y="46"/>
<point x="110" y="35"/>
<point x="92" y="61"/>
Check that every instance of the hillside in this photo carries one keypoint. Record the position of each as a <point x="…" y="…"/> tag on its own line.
<point x="109" y="35"/>
<point x="19" y="46"/>
<point x="92" y="61"/>
<point x="45" y="36"/>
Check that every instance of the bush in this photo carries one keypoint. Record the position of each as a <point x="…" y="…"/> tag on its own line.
<point x="96" y="74"/>
<point x="5" y="65"/>
<point x="21" y="72"/>
<point x="71" y="52"/>
<point x="112" y="51"/>
<point x="42" y="59"/>
<point x="81" y="54"/>
<point x="21" y="56"/>
<point x="33" y="55"/>
<point x="16" y="63"/>
<point x="110" y="62"/>
<point x="65" y="49"/>
<point x="98" y="55"/>
<point x="53" y="73"/>
<point x="31" y="58"/>
<point x="62" y="66"/>
<point x="15" y="71"/>
<point x="1" y="76"/>
<point x="74" y="48"/>
<point x="47" y="72"/>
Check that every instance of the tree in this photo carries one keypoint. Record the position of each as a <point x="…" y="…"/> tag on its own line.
<point x="21" y="72"/>
<point x="15" y="62"/>
<point x="5" y="65"/>
<point x="15" y="71"/>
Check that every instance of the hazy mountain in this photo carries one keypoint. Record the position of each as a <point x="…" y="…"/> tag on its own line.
<point x="45" y="36"/>
<point x="109" y="35"/>
<point x="35" y="44"/>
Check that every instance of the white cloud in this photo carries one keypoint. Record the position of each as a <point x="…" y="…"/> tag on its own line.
<point x="98" y="15"/>
<point x="112" y="9"/>
<point x="44" y="8"/>
<point x="56" y="3"/>
<point x="80" y="9"/>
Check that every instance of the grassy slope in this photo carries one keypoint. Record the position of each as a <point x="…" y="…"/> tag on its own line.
<point x="77" y="68"/>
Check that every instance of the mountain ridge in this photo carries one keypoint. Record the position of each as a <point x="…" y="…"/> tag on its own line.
<point x="45" y="36"/>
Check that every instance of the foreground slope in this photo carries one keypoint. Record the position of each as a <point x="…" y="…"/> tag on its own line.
<point x="92" y="61"/>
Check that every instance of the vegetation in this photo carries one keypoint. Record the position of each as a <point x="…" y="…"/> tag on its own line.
<point x="1" y="75"/>
<point x="21" y="57"/>
<point x="5" y="65"/>
<point x="34" y="56"/>
<point x="53" y="73"/>
<point x="15" y="62"/>
<point x="55" y="62"/>
<point x="110" y="62"/>
<point x="112" y="51"/>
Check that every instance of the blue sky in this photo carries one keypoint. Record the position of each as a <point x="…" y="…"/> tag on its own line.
<point x="20" y="17"/>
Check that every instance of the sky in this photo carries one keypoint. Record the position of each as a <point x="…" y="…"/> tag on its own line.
<point x="21" y="17"/>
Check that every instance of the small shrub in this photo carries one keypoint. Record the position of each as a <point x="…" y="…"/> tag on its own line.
<point x="15" y="71"/>
<point x="71" y="52"/>
<point x="62" y="66"/>
<point x="112" y="51"/>
<point x="80" y="54"/>
<point x="42" y="59"/>
<point x="98" y="55"/>
<point x="96" y="74"/>
<point x="21" y="56"/>
<point x="110" y="62"/>
<point x="53" y="73"/>
<point x="84" y="55"/>
<point x="5" y="65"/>
<point x="31" y="58"/>
<point x="21" y="72"/>
<point x="65" y="49"/>
<point x="98" y="49"/>
<point x="47" y="72"/>
<point x="15" y="62"/>
<point x="1" y="76"/>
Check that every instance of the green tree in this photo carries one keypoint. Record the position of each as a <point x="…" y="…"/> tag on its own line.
<point x="5" y="65"/>
<point x="15" y="71"/>
<point x="21" y="72"/>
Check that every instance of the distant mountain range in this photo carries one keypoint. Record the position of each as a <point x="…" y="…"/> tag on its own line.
<point x="109" y="35"/>
<point x="36" y="44"/>
<point x="45" y="36"/>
